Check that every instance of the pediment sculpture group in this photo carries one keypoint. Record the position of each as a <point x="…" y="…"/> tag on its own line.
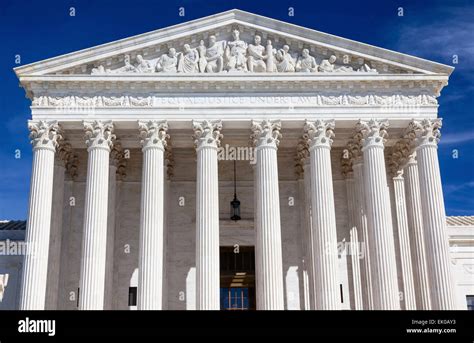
<point x="232" y="56"/>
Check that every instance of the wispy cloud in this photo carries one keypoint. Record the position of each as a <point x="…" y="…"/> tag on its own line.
<point x="453" y="188"/>
<point x="450" y="34"/>
<point x="457" y="138"/>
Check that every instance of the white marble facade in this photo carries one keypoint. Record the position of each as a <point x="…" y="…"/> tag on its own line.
<point x="131" y="188"/>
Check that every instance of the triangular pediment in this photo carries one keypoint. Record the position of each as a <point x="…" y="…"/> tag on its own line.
<point x="187" y="48"/>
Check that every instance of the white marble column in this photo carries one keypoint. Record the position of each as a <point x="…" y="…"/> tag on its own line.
<point x="324" y="236"/>
<point x="116" y="162"/>
<point x="99" y="140"/>
<point x="63" y="153"/>
<point x="207" y="138"/>
<point x="268" y="251"/>
<point x="381" y="240"/>
<point x="404" y="239"/>
<point x="417" y="239"/>
<point x="44" y="138"/>
<point x="434" y="217"/>
<point x="352" y="253"/>
<point x="304" y="169"/>
<point x="150" y="260"/>
<point x="361" y="222"/>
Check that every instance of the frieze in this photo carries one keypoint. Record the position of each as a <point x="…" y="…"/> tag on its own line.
<point x="160" y="101"/>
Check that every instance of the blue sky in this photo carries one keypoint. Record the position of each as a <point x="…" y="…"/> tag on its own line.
<point x="435" y="30"/>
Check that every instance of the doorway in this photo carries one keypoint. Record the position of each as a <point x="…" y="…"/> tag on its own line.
<point x="237" y="271"/>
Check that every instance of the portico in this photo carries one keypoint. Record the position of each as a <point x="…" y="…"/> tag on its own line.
<point x="345" y="152"/>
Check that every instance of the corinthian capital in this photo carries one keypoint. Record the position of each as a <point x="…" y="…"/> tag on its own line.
<point x="266" y="133"/>
<point x="44" y="134"/>
<point x="374" y="132"/>
<point x="320" y="133"/>
<point x="117" y="159"/>
<point x="427" y="132"/>
<point x="302" y="155"/>
<point x="153" y="134"/>
<point x="63" y="153"/>
<point x="207" y="133"/>
<point x="99" y="134"/>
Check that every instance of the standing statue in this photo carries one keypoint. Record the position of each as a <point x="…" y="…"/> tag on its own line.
<point x="256" y="58"/>
<point x="270" y="57"/>
<point x="143" y="65"/>
<point x="235" y="53"/>
<point x="188" y="60"/>
<point x="202" y="57"/>
<point x="328" y="66"/>
<point x="214" y="56"/>
<point x="285" y="62"/>
<point x="167" y="63"/>
<point x="306" y="63"/>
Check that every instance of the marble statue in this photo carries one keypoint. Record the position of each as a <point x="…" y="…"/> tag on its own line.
<point x="270" y="57"/>
<point x="214" y="56"/>
<point x="188" y="60"/>
<point x="233" y="55"/>
<point x="167" y="63"/>
<point x="202" y="62"/>
<point x="143" y="66"/>
<point x="236" y="59"/>
<point x="285" y="63"/>
<point x="306" y="63"/>
<point x="256" y="56"/>
<point x="127" y="68"/>
<point x="328" y="66"/>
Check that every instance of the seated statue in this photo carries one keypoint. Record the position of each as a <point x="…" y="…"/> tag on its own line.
<point x="256" y="56"/>
<point x="366" y="68"/>
<point x="285" y="62"/>
<point x="328" y="66"/>
<point x="214" y="56"/>
<point x="143" y="66"/>
<point x="188" y="60"/>
<point x="236" y="59"/>
<point x="167" y="63"/>
<point x="306" y="63"/>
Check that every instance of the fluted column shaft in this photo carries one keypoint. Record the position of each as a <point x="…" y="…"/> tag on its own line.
<point x="94" y="240"/>
<point x="434" y="217"/>
<point x="404" y="239"/>
<point x="150" y="257"/>
<point x="361" y="220"/>
<point x="308" y="233"/>
<point x="353" y="257"/>
<point x="268" y="250"/>
<point x="417" y="239"/>
<point x="325" y="255"/>
<point x="207" y="140"/>
<point x="54" y="260"/>
<point x="44" y="137"/>
<point x="381" y="241"/>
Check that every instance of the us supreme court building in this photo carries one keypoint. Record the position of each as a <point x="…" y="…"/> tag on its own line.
<point x="236" y="162"/>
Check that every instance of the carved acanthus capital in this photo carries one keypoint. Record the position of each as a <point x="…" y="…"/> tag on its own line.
<point x="44" y="134"/>
<point x="374" y="132"/>
<point x="63" y="153"/>
<point x="302" y="155"/>
<point x="153" y="134"/>
<point x="320" y="133"/>
<point x="266" y="133"/>
<point x="426" y="131"/>
<point x="207" y="133"/>
<point x="169" y="161"/>
<point x="354" y="146"/>
<point x="399" y="156"/>
<point x="118" y="160"/>
<point x="346" y="163"/>
<point x="99" y="134"/>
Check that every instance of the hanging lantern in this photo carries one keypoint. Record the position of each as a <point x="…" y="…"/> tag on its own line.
<point x="235" y="204"/>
